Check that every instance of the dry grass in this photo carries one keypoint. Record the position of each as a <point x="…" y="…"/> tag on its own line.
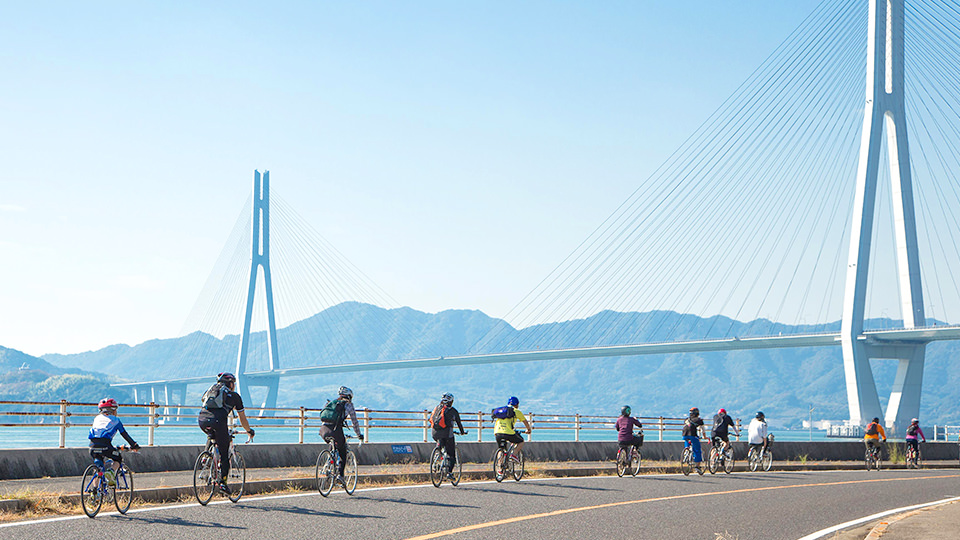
<point x="39" y="504"/>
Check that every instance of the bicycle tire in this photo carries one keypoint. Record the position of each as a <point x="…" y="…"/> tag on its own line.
<point x="123" y="492"/>
<point x="753" y="460"/>
<point x="459" y="472"/>
<point x="728" y="461"/>
<point x="714" y="462"/>
<point x="499" y="465"/>
<point x="203" y="474"/>
<point x="635" y="462"/>
<point x="767" y="460"/>
<point x="621" y="462"/>
<point x="350" y="473"/>
<point x="91" y="491"/>
<point x="238" y="473"/>
<point x="517" y="466"/>
<point x="436" y="467"/>
<point x="686" y="461"/>
<point x="326" y="473"/>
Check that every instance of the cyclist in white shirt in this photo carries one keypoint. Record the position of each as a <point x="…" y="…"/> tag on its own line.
<point x="757" y="432"/>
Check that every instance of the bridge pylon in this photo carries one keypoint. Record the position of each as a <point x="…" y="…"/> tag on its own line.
<point x="260" y="261"/>
<point x="884" y="111"/>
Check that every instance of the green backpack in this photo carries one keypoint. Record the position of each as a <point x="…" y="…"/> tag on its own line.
<point x="334" y="412"/>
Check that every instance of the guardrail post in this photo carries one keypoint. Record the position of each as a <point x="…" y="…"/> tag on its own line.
<point x="480" y="426"/>
<point x="63" y="423"/>
<point x="738" y="430"/>
<point x="303" y="423"/>
<point x="576" y="427"/>
<point x="426" y="424"/>
<point x="530" y="435"/>
<point x="660" y="430"/>
<point x="153" y="423"/>
<point x="366" y="424"/>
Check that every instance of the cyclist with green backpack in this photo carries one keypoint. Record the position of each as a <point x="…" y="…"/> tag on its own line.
<point x="505" y="418"/>
<point x="218" y="401"/>
<point x="334" y="417"/>
<point x="442" y="419"/>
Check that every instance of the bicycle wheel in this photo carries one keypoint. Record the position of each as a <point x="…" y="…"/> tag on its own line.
<point x="91" y="494"/>
<point x="714" y="462"/>
<point x="728" y="461"/>
<point x="500" y="465"/>
<point x="436" y="467"/>
<point x="238" y="476"/>
<point x="635" y="461"/>
<point x="621" y="462"/>
<point x="517" y="468"/>
<point x="457" y="470"/>
<point x="123" y="493"/>
<point x="203" y="478"/>
<point x="326" y="473"/>
<point x="686" y="461"/>
<point x="350" y="473"/>
<point x="767" y="460"/>
<point x="877" y="461"/>
<point x="752" y="459"/>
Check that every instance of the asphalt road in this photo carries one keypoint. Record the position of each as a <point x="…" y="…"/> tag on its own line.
<point x="742" y="506"/>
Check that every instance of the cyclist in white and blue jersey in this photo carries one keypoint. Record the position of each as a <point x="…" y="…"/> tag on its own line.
<point x="105" y="426"/>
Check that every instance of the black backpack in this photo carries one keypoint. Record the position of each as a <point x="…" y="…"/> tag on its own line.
<point x="912" y="430"/>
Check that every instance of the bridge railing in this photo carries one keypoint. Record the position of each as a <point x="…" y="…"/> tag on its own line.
<point x="410" y="425"/>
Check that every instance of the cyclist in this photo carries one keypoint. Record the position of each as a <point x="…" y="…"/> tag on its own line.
<point x="333" y="429"/>
<point x="624" y="425"/>
<point x="692" y="431"/>
<point x="874" y="431"/>
<point x="442" y="420"/>
<point x="218" y="402"/>
<point x="757" y="432"/>
<point x="105" y="426"/>
<point x="503" y="430"/>
<point x="912" y="431"/>
<point x="720" y="432"/>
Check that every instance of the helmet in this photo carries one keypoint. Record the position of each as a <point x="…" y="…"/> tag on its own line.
<point x="760" y="415"/>
<point x="694" y="411"/>
<point x="914" y="421"/>
<point x="625" y="410"/>
<point x="446" y="398"/>
<point x="513" y="401"/>
<point x="722" y="411"/>
<point x="226" y="377"/>
<point x="108" y="403"/>
<point x="875" y="419"/>
<point x="345" y="391"/>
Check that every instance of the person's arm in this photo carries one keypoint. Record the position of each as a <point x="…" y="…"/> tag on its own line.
<point x="636" y="422"/>
<point x="352" y="411"/>
<point x="456" y="418"/>
<point x="243" y="422"/>
<point x="126" y="436"/>
<point x="883" y="433"/>
<point x="920" y="432"/>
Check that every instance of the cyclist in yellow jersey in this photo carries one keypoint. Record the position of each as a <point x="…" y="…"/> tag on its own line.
<point x="503" y="429"/>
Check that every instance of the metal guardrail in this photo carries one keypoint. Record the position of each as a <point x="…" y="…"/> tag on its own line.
<point x="153" y="416"/>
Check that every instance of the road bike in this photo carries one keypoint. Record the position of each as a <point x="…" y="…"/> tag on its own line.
<point x="437" y="460"/>
<point x="628" y="459"/>
<point x="871" y="458"/>
<point x="761" y="457"/>
<point x="720" y="458"/>
<point x="206" y="471"/>
<point x="328" y="465"/>
<point x="95" y="486"/>
<point x="508" y="461"/>
<point x="914" y="458"/>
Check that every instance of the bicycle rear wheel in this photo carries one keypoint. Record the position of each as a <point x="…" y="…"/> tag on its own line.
<point x="203" y="478"/>
<point x="326" y="473"/>
<point x="350" y="473"/>
<point x="728" y="461"/>
<point x="635" y="461"/>
<point x="500" y="465"/>
<point x="517" y="468"/>
<point x="123" y="493"/>
<point x="238" y="476"/>
<point x="91" y="494"/>
<point x="767" y="460"/>
<point x="458" y="469"/>
<point x="436" y="467"/>
<point x="621" y="462"/>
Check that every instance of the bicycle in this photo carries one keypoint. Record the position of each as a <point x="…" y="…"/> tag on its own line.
<point x="720" y="458"/>
<point x="437" y="458"/>
<point x="328" y="464"/>
<point x="206" y="471"/>
<point x="506" y="457"/>
<point x="628" y="459"/>
<point x="760" y="458"/>
<point x="871" y="458"/>
<point x="95" y="486"/>
<point x="914" y="458"/>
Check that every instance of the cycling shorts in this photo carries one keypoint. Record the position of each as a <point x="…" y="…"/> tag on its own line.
<point x="100" y="452"/>
<point x="503" y="439"/>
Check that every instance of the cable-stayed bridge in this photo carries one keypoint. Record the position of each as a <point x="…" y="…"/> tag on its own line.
<point x="773" y="209"/>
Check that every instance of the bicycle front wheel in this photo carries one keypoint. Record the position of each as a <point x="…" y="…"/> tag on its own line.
<point x="203" y="478"/>
<point x="500" y="465"/>
<point x="767" y="460"/>
<point x="123" y="493"/>
<point x="714" y="463"/>
<point x="91" y="493"/>
<point x="517" y="466"/>
<point x="326" y="473"/>
<point x="621" y="462"/>
<point x="238" y="476"/>
<point x="436" y="467"/>
<point x="457" y="469"/>
<point x="350" y="473"/>
<point x="686" y="461"/>
<point x="635" y="461"/>
<point x="728" y="461"/>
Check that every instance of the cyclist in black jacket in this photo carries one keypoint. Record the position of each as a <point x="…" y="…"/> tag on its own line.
<point x="442" y="420"/>
<point x="214" y="422"/>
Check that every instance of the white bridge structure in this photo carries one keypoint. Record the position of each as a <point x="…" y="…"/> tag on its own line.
<point x="884" y="126"/>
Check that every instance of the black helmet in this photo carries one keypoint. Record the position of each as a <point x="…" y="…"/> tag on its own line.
<point x="226" y="377"/>
<point x="625" y="410"/>
<point x="760" y="415"/>
<point x="877" y="420"/>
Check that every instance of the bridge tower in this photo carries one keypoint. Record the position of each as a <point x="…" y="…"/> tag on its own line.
<point x="260" y="261"/>
<point x="884" y="109"/>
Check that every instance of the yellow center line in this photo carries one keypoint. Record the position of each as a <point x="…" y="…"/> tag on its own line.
<point x="450" y="532"/>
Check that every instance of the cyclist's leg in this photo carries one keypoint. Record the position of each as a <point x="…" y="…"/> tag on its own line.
<point x="450" y="447"/>
<point x="695" y="445"/>
<point x="340" y="441"/>
<point x="221" y="434"/>
<point x="517" y="441"/>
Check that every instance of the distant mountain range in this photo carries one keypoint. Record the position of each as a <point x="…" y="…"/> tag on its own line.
<point x="783" y="382"/>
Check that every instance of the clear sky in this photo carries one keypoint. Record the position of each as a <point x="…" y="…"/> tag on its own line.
<point x="454" y="151"/>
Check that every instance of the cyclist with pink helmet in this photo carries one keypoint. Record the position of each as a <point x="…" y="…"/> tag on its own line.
<point x="105" y="426"/>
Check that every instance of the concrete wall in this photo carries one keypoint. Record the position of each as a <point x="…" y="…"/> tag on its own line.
<point x="36" y="463"/>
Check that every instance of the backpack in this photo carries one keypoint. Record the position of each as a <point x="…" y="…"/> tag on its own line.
<point x="213" y="397"/>
<point x="437" y="420"/>
<point x="503" y="412"/>
<point x="912" y="430"/>
<point x="334" y="412"/>
<point x="872" y="428"/>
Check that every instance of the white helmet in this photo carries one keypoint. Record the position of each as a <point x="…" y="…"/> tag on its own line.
<point x="446" y="398"/>
<point x="345" y="391"/>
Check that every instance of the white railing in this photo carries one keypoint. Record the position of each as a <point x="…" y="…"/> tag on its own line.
<point x="154" y="416"/>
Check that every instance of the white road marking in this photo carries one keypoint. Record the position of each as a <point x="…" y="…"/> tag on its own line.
<point x="840" y="527"/>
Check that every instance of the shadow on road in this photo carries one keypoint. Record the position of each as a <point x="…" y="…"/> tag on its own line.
<point x="401" y="500"/>
<point x="512" y="492"/>
<point x="307" y="511"/>
<point x="568" y="486"/>
<point x="179" y="522"/>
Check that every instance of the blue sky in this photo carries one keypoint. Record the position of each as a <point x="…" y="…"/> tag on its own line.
<point x="455" y="152"/>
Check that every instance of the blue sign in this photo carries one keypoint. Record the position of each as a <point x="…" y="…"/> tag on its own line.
<point x="402" y="448"/>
